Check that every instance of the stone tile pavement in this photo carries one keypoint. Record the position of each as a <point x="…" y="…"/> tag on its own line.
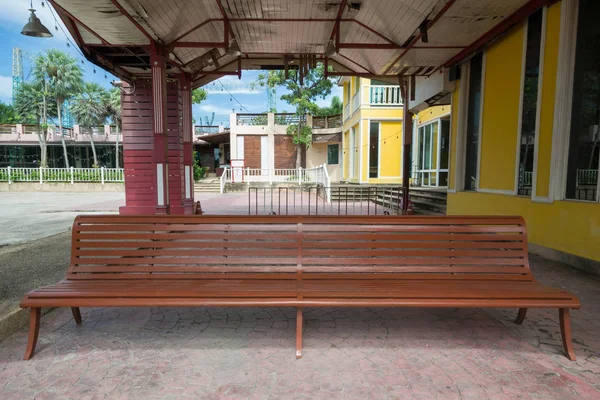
<point x="248" y="353"/>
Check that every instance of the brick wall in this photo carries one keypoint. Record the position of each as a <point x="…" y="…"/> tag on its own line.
<point x="252" y="151"/>
<point x="285" y="152"/>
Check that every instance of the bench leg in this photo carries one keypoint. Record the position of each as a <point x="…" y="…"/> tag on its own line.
<point x="299" y="333"/>
<point x="34" y="330"/>
<point x="521" y="316"/>
<point x="76" y="315"/>
<point x="565" y="330"/>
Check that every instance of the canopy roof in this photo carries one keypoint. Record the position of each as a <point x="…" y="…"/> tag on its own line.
<point x="373" y="37"/>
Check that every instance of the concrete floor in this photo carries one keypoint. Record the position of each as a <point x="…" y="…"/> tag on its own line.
<point x="33" y="215"/>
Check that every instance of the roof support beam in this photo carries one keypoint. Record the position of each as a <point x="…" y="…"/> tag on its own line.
<point x="418" y="37"/>
<point x="201" y="45"/>
<point x="133" y="21"/>
<point x="335" y="32"/>
<point x="72" y="17"/>
<point x="200" y="25"/>
<point x="225" y="20"/>
<point x="493" y="33"/>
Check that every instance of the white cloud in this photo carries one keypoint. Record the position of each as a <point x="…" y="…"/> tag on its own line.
<point x="218" y="110"/>
<point x="5" y="88"/>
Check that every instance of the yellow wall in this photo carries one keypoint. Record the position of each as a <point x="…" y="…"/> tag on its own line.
<point x="390" y="153"/>
<point x="548" y="94"/>
<point x="501" y="94"/>
<point x="569" y="226"/>
<point x="431" y="113"/>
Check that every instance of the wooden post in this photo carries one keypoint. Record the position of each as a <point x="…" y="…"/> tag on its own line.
<point x="188" y="140"/>
<point x="159" y="107"/>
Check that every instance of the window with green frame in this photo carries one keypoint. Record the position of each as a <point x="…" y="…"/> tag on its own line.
<point x="333" y="153"/>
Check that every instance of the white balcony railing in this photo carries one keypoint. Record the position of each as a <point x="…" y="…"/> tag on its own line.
<point x="586" y="177"/>
<point x="318" y="176"/>
<point x="346" y="111"/>
<point x="71" y="175"/>
<point x="385" y="95"/>
<point x="355" y="101"/>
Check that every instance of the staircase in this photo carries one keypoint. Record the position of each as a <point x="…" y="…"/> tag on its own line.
<point x="207" y="185"/>
<point x="430" y="201"/>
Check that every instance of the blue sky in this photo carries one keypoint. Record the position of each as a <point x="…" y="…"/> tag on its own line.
<point x="14" y="15"/>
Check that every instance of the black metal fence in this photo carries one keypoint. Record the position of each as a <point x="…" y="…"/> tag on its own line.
<point x="318" y="200"/>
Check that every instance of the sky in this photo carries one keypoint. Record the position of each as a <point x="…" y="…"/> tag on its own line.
<point x="14" y="15"/>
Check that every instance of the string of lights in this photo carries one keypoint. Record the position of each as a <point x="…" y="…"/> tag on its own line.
<point x="233" y="97"/>
<point x="381" y="140"/>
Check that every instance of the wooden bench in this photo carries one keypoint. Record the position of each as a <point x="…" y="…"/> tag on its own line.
<point x="362" y="261"/>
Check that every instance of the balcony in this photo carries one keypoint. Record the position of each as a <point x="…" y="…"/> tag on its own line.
<point x="384" y="95"/>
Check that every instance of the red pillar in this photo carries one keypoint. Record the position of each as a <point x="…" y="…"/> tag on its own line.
<point x="159" y="107"/>
<point x="175" y="139"/>
<point x="407" y="127"/>
<point x="188" y="139"/>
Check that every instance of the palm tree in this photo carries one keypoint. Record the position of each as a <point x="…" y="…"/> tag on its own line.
<point x="113" y="111"/>
<point x="62" y="76"/>
<point x="89" y="110"/>
<point x="31" y="106"/>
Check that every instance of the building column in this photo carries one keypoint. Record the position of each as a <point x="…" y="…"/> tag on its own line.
<point x="160" y="140"/>
<point x="188" y="147"/>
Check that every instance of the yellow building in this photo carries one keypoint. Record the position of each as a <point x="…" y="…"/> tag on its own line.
<point x="431" y="145"/>
<point x="525" y="130"/>
<point x="372" y="131"/>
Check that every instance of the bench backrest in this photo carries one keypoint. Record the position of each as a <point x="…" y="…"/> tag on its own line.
<point x="413" y="247"/>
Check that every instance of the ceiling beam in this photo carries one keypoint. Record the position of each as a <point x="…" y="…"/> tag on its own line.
<point x="355" y="63"/>
<point x="133" y="21"/>
<point x="225" y="20"/>
<point x="200" y="45"/>
<point x="200" y="25"/>
<point x="497" y="30"/>
<point x="335" y="32"/>
<point x="418" y="37"/>
<point x="74" y="18"/>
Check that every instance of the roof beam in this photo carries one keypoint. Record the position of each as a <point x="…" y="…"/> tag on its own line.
<point x="228" y="27"/>
<point x="133" y="21"/>
<point x="500" y="28"/>
<point x="418" y="37"/>
<point x="201" y="45"/>
<point x="72" y="17"/>
<point x="335" y="32"/>
<point x="200" y="25"/>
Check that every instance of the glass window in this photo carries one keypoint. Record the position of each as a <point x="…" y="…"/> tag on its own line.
<point x="445" y="144"/>
<point x="333" y="154"/>
<point x="584" y="144"/>
<point x="421" y="147"/>
<point x="473" y="121"/>
<point x="427" y="155"/>
<point x="530" y="96"/>
<point x="356" y="84"/>
<point x="374" y="150"/>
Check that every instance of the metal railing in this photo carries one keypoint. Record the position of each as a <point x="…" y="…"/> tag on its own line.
<point x="288" y="118"/>
<point x="328" y="121"/>
<point x="385" y="95"/>
<point x="205" y="129"/>
<point x="71" y="175"/>
<point x="312" y="200"/>
<point x="587" y="177"/>
<point x="251" y="119"/>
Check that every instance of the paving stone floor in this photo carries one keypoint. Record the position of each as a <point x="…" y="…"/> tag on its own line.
<point x="239" y="353"/>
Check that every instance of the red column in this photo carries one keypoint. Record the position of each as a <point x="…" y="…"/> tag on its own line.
<point x="188" y="139"/>
<point x="159" y="106"/>
<point x="407" y="127"/>
<point x="175" y="134"/>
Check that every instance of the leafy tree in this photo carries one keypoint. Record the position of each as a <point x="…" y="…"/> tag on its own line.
<point x="301" y="97"/>
<point x="7" y="114"/>
<point x="113" y="111"/>
<point x="31" y="106"/>
<point x="335" y="107"/>
<point x="198" y="95"/>
<point x="89" y="110"/>
<point x="62" y="78"/>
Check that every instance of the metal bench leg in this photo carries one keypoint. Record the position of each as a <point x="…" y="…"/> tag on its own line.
<point x="521" y="316"/>
<point x="34" y="330"/>
<point x="76" y="315"/>
<point x="299" y="332"/>
<point x="565" y="330"/>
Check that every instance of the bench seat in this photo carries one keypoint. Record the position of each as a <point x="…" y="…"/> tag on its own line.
<point x="297" y="261"/>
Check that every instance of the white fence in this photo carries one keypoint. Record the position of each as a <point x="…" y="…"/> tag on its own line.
<point x="385" y="95"/>
<point x="318" y="176"/>
<point x="587" y="177"/>
<point x="71" y="175"/>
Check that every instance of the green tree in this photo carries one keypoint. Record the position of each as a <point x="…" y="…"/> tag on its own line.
<point x="198" y="95"/>
<point x="113" y="111"/>
<point x="334" y="108"/>
<point x="31" y="106"/>
<point x="62" y="78"/>
<point x="89" y="110"/>
<point x="7" y="114"/>
<point x="301" y="97"/>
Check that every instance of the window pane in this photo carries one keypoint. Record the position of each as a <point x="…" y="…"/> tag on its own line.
<point x="427" y="163"/>
<point x="582" y="171"/>
<point x="333" y="154"/>
<point x="530" y="95"/>
<point x="421" y="147"/>
<point x="374" y="149"/>
<point x="473" y="119"/>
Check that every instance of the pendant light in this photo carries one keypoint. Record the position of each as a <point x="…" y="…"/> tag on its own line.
<point x="34" y="27"/>
<point x="234" y="49"/>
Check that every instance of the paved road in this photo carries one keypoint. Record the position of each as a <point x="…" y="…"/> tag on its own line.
<point x="31" y="216"/>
